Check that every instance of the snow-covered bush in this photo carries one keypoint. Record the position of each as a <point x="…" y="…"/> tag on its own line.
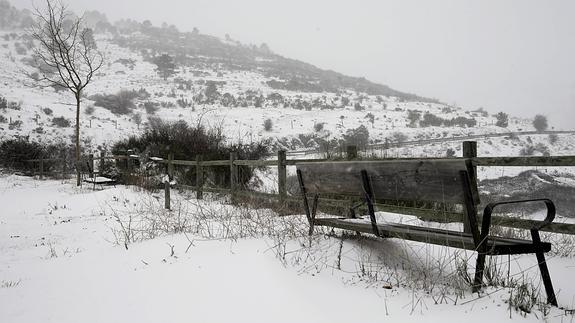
<point x="268" y="125"/>
<point x="61" y="122"/>
<point x="186" y="142"/>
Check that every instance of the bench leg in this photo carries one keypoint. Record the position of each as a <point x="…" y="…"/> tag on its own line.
<point x="310" y="214"/>
<point x="545" y="276"/>
<point x="479" y="267"/>
<point x="368" y="193"/>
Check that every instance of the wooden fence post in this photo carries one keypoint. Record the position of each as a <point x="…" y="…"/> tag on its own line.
<point x="282" y="176"/>
<point x="351" y="152"/>
<point x="170" y="166"/>
<point x="102" y="163"/>
<point x="470" y="151"/>
<point x="91" y="163"/>
<point x="167" y="194"/>
<point x="41" y="167"/>
<point x="129" y="163"/>
<point x="233" y="176"/>
<point x="199" y="178"/>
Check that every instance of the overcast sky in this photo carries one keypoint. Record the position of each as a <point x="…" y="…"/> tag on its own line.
<point x="516" y="56"/>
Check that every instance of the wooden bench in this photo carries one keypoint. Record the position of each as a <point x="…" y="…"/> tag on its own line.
<point x="441" y="183"/>
<point x="93" y="176"/>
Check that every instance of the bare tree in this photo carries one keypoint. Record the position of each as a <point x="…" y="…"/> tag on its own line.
<point x="67" y="52"/>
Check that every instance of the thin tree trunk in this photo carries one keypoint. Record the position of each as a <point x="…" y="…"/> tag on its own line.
<point x="78" y="175"/>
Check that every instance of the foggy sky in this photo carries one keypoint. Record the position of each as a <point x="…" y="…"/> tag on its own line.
<point x="516" y="56"/>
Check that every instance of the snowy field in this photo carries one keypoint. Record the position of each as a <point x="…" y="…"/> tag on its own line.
<point x="113" y="255"/>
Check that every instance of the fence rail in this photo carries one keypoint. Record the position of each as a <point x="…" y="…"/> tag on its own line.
<point x="469" y="152"/>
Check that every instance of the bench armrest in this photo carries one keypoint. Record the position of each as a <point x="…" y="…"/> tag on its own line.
<point x="486" y="222"/>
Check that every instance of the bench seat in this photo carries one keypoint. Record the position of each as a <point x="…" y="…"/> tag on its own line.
<point x="455" y="239"/>
<point x="99" y="180"/>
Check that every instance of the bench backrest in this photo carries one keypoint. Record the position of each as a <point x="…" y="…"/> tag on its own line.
<point x="399" y="180"/>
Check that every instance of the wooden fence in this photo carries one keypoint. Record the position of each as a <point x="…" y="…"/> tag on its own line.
<point x="282" y="197"/>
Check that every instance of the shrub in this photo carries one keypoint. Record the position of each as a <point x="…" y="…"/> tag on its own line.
<point x="186" y="142"/>
<point x="16" y="124"/>
<point x="527" y="151"/>
<point x="268" y="125"/>
<point x="413" y="116"/>
<point x="482" y="112"/>
<point x="553" y="138"/>
<point x="318" y="126"/>
<point x="540" y="123"/>
<point x="120" y="103"/>
<point x="357" y="137"/>
<point x="3" y="119"/>
<point x="543" y="149"/>
<point x="151" y="107"/>
<point x="358" y="107"/>
<point x="370" y="117"/>
<point x="398" y="137"/>
<point x="15" y="152"/>
<point x="460" y="122"/>
<point x="89" y="110"/>
<point x="61" y="122"/>
<point x="430" y="119"/>
<point x="502" y="119"/>
<point x="35" y="76"/>
<point x="47" y="111"/>
<point x="20" y="50"/>
<point x="184" y="103"/>
<point x="450" y="152"/>
<point x="137" y="118"/>
<point x="14" y="105"/>
<point x="3" y="103"/>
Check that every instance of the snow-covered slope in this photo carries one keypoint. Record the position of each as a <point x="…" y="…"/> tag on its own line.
<point x="299" y="120"/>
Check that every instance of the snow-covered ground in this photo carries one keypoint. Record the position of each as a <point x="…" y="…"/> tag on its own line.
<point x="113" y="255"/>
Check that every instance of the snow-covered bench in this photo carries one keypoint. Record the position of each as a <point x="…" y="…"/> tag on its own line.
<point x="94" y="178"/>
<point x="437" y="183"/>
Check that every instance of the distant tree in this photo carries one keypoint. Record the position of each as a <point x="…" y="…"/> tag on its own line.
<point x="268" y="125"/>
<point x="146" y="25"/>
<point x="371" y="118"/>
<point x="137" y="118"/>
<point x="265" y="49"/>
<point x="67" y="47"/>
<point x="344" y="101"/>
<point x="399" y="137"/>
<point x="430" y="119"/>
<point x="358" y="137"/>
<point x="413" y="116"/>
<point x="358" y="107"/>
<point x="211" y="92"/>
<point x="95" y="19"/>
<point x="540" y="123"/>
<point x="502" y="119"/>
<point x="165" y="66"/>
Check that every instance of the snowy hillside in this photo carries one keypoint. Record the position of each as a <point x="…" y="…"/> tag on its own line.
<point x="239" y="102"/>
